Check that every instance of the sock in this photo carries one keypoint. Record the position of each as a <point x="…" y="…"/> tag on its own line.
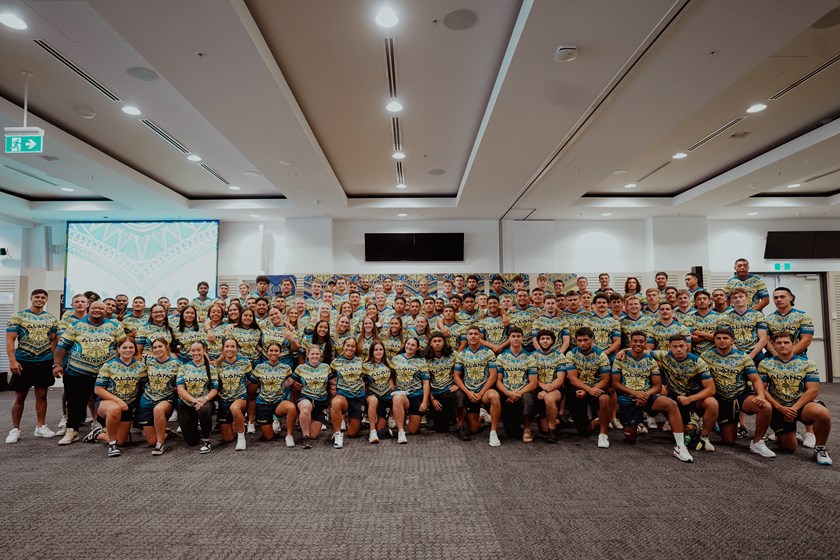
<point x="679" y="437"/>
<point x="240" y="435"/>
<point x="112" y="442"/>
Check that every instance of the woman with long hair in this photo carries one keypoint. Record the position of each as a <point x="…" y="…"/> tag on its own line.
<point x="248" y="335"/>
<point x="197" y="385"/>
<point x="394" y="338"/>
<point x="233" y="371"/>
<point x="312" y="383"/>
<point x="440" y="359"/>
<point x="321" y="338"/>
<point x="411" y="396"/>
<point x="214" y="328"/>
<point x="274" y="378"/>
<point x="158" y="399"/>
<point x="420" y="330"/>
<point x="368" y="334"/>
<point x="379" y="380"/>
<point x="156" y="327"/>
<point x="188" y="331"/>
<point x="350" y="393"/>
<point x="342" y="332"/>
<point x="277" y="331"/>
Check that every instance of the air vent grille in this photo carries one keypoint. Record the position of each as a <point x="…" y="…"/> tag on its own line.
<point x="807" y="76"/>
<point x="215" y="173"/>
<point x="728" y="125"/>
<point x="77" y="70"/>
<point x="651" y="172"/>
<point x="400" y="174"/>
<point x="391" y="67"/>
<point x="395" y="133"/>
<point x="165" y="135"/>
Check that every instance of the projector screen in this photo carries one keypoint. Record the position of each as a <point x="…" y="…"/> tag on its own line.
<point x="149" y="259"/>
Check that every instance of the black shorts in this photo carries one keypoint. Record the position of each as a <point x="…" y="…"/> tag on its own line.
<point x="462" y="401"/>
<point x="126" y="416"/>
<point x="780" y="425"/>
<point x="383" y="406"/>
<point x="414" y="405"/>
<point x="318" y="408"/>
<point x="145" y="415"/>
<point x="356" y="407"/>
<point x="265" y="412"/>
<point x="538" y="410"/>
<point x="728" y="409"/>
<point x="631" y="413"/>
<point x="33" y="374"/>
<point x="522" y="407"/>
<point x="686" y="410"/>
<point x="224" y="415"/>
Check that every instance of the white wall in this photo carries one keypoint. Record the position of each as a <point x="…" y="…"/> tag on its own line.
<point x="12" y="239"/>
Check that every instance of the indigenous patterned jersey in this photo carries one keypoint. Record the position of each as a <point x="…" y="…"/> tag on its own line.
<point x="196" y="380"/>
<point x="469" y="319"/>
<point x="745" y="327"/>
<point x="515" y="369"/>
<point x="730" y="372"/>
<point x="591" y="367"/>
<point x="161" y="384"/>
<point x="755" y="287"/>
<point x="636" y="373"/>
<point x="186" y="338"/>
<point x="630" y="325"/>
<point x="683" y="377"/>
<point x="786" y="380"/>
<point x="410" y="374"/>
<point x="349" y="377"/>
<point x="248" y="339"/>
<point x="338" y="341"/>
<point x="378" y="378"/>
<point x="233" y="379"/>
<point x="457" y="332"/>
<point x="272" y="382"/>
<point x="524" y="319"/>
<point x="133" y="323"/>
<point x="474" y="366"/>
<point x="557" y="324"/>
<point x="393" y="345"/>
<point x="795" y="322"/>
<point x="34" y="333"/>
<point x="202" y="307"/>
<point x="707" y="323"/>
<point x="90" y="346"/>
<point x="682" y="316"/>
<point x="576" y="321"/>
<point x="122" y="380"/>
<point x="67" y="319"/>
<point x="659" y="333"/>
<point x="274" y="334"/>
<point x="423" y="339"/>
<point x="606" y="330"/>
<point x="150" y="332"/>
<point x="313" y="380"/>
<point x="549" y="364"/>
<point x="495" y="331"/>
<point x="441" y="373"/>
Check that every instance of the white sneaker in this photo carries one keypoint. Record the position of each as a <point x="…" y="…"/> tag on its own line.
<point x="615" y="423"/>
<point x="14" y="436"/>
<point x="761" y="448"/>
<point x="240" y="442"/>
<point x="484" y="415"/>
<point x="799" y="437"/>
<point x="62" y="427"/>
<point x="651" y="423"/>
<point x="338" y="440"/>
<point x="44" y="432"/>
<point x="771" y="435"/>
<point x="252" y="429"/>
<point x="374" y="437"/>
<point x="603" y="441"/>
<point x="494" y="439"/>
<point x="174" y="416"/>
<point x="290" y="440"/>
<point x="666" y="427"/>
<point x="178" y="430"/>
<point x="88" y="419"/>
<point x="822" y="457"/>
<point x="392" y="423"/>
<point x="641" y="428"/>
<point x="401" y="437"/>
<point x="809" y="441"/>
<point x="275" y="426"/>
<point x="681" y="453"/>
<point x="69" y="437"/>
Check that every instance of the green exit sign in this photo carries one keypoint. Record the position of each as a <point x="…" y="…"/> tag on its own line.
<point x="24" y="140"/>
<point x="781" y="266"/>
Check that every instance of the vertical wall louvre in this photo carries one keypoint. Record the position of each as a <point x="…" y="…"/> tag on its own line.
<point x="8" y="303"/>
<point x="833" y="348"/>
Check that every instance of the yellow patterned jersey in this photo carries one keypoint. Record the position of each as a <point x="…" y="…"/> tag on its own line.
<point x="149" y="332"/>
<point x="550" y="364"/>
<point x="249" y="342"/>
<point x="591" y="367"/>
<point x="786" y="380"/>
<point x="524" y="319"/>
<point x="197" y="380"/>
<point x="202" y="306"/>
<point x="607" y="329"/>
<point x="755" y="287"/>
<point x="378" y="378"/>
<point x="494" y="330"/>
<point x="745" y="327"/>
<point x="730" y="372"/>
<point x="515" y="370"/>
<point x="314" y="380"/>
<point x="271" y="380"/>
<point x="349" y="381"/>
<point x="630" y="325"/>
<point x="708" y="323"/>
<point x="441" y="373"/>
<point x="795" y="322"/>
<point x="475" y="366"/>
<point x="557" y="324"/>
<point x="576" y="320"/>
<point x="122" y="380"/>
<point x="161" y="383"/>
<point x="34" y="332"/>
<point x="393" y="345"/>
<point x="89" y="346"/>
<point x="410" y="374"/>
<point x="637" y="374"/>
<point x="133" y="323"/>
<point x="659" y="333"/>
<point x="187" y="338"/>
<point x="233" y="378"/>
<point x="683" y="377"/>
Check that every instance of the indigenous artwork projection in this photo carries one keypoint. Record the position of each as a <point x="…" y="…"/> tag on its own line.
<point x="149" y="259"/>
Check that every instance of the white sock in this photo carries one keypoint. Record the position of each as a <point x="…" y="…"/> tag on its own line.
<point x="240" y="435"/>
<point x="493" y="432"/>
<point x="112" y="442"/>
<point x="679" y="437"/>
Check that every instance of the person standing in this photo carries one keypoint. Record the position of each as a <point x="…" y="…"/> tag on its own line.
<point x="30" y="342"/>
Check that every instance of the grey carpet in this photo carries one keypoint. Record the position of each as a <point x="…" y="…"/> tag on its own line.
<point x="435" y="498"/>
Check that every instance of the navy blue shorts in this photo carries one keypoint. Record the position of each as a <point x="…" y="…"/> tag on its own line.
<point x="33" y="374"/>
<point x="384" y="406"/>
<point x="631" y="413"/>
<point x="728" y="409"/>
<point x="265" y="412"/>
<point x="126" y="416"/>
<point x="462" y="401"/>
<point x="318" y="408"/>
<point x="781" y="425"/>
<point x="145" y="415"/>
<point x="224" y="415"/>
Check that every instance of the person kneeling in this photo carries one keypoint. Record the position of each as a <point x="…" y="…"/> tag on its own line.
<point x="516" y="382"/>
<point x="117" y="391"/>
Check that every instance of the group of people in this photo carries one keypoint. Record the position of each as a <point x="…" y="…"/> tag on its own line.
<point x="354" y="353"/>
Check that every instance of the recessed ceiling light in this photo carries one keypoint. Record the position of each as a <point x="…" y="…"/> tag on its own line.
<point x="402" y="215"/>
<point x="630" y="186"/>
<point x="67" y="189"/>
<point x="386" y="17"/>
<point x="233" y="188"/>
<point x="142" y="74"/>
<point x="794" y="186"/>
<point x="131" y="110"/>
<point x="394" y="106"/>
<point x="679" y="155"/>
<point x="11" y="20"/>
<point x="193" y="157"/>
<point x="254" y="215"/>
<point x="402" y="186"/>
<point x="253" y="174"/>
<point x="619" y="172"/>
<point x="757" y="108"/>
<point x="752" y="213"/>
<point x="605" y="214"/>
<point x="398" y="155"/>
<point x="286" y="162"/>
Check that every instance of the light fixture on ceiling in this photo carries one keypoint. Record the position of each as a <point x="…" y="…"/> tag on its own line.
<point x="402" y="215"/>
<point x="234" y="188"/>
<point x="131" y="110"/>
<point x="752" y="213"/>
<point x="67" y="189"/>
<point x="85" y="113"/>
<point x="402" y="186"/>
<point x="757" y="108"/>
<point x="680" y="155"/>
<point x="193" y="157"/>
<point x="630" y="186"/>
<point x="394" y="106"/>
<point x="254" y="215"/>
<point x="794" y="186"/>
<point x="286" y="162"/>
<point x="398" y="155"/>
<point x="606" y="214"/>
<point x="565" y="53"/>
<point x="386" y="17"/>
<point x="11" y="20"/>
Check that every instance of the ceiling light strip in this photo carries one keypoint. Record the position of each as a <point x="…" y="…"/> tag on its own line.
<point x="78" y="71"/>
<point x="214" y="173"/>
<point x="165" y="135"/>
<point x="395" y="134"/>
<point x="649" y="173"/>
<point x="728" y="125"/>
<point x="807" y="76"/>
<point x="391" y="67"/>
<point x="400" y="173"/>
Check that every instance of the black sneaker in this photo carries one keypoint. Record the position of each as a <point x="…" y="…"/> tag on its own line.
<point x="158" y="450"/>
<point x="462" y="434"/>
<point x="114" y="450"/>
<point x="92" y="434"/>
<point x="551" y="436"/>
<point x="743" y="432"/>
<point x="307" y="442"/>
<point x="205" y="446"/>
